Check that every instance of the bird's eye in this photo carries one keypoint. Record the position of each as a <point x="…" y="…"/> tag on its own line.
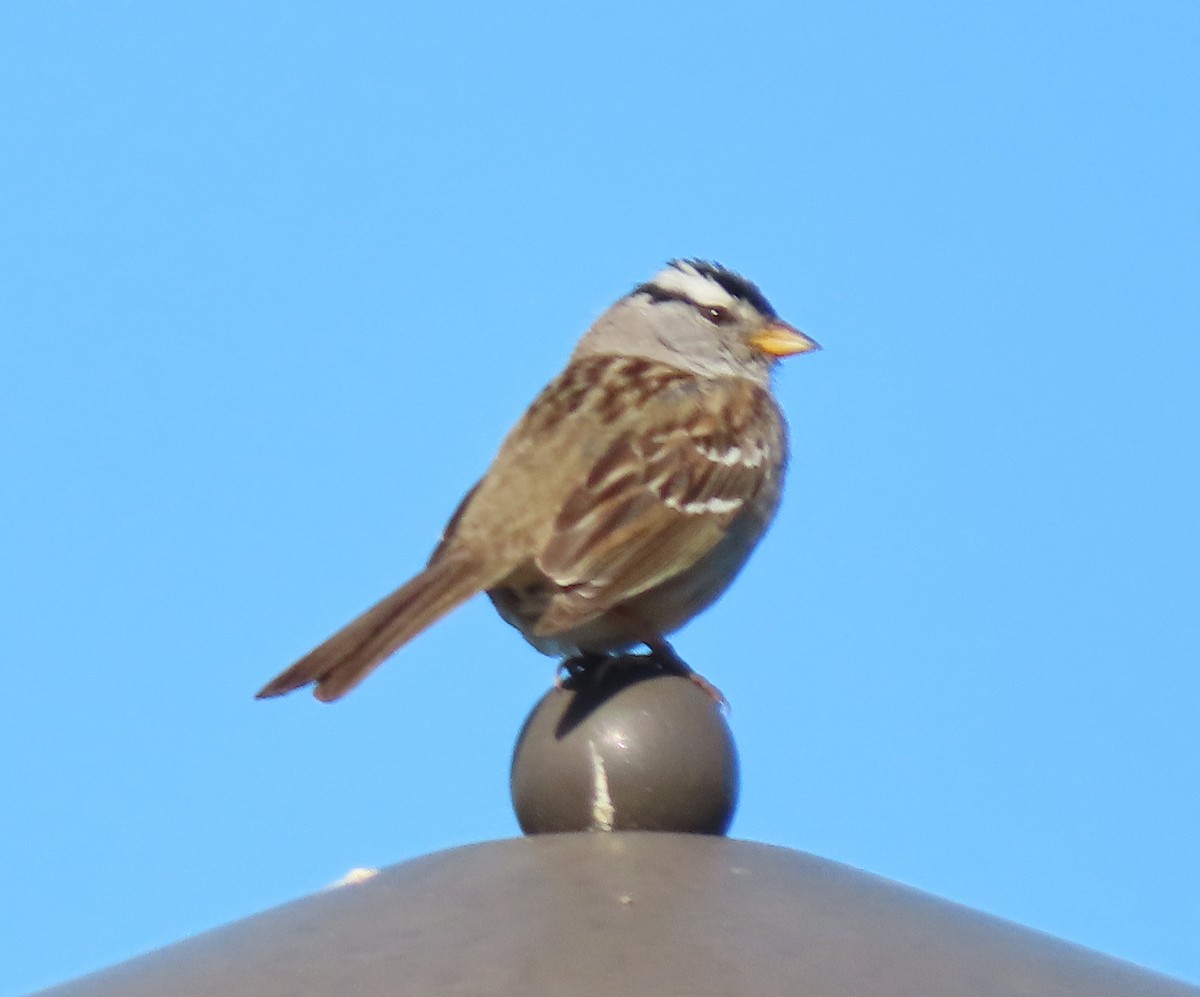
<point x="717" y="315"/>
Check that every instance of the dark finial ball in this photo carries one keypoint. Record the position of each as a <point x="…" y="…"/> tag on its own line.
<point x="625" y="746"/>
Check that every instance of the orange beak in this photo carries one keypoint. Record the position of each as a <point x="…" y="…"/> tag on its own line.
<point x="778" y="339"/>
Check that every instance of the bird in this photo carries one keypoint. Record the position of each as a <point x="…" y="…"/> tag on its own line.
<point x="625" y="499"/>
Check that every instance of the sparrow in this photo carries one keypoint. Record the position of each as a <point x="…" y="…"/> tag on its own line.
<point x="626" y="498"/>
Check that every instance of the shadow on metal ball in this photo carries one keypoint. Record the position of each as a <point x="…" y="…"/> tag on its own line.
<point x="592" y="685"/>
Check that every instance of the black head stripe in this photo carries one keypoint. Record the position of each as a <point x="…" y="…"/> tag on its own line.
<point x="734" y="283"/>
<point x="656" y="293"/>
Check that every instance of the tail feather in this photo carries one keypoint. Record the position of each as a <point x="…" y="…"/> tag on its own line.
<point x="347" y="657"/>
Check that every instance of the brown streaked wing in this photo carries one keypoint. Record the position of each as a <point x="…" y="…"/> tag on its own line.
<point x="651" y="507"/>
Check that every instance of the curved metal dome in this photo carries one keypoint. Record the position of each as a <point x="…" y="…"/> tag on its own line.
<point x="628" y="912"/>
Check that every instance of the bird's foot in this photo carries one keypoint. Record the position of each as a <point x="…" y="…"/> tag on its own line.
<point x="597" y="666"/>
<point x="572" y="668"/>
<point x="664" y="654"/>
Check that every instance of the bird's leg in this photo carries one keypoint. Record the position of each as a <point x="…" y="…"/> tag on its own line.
<point x="664" y="654"/>
<point x="575" y="666"/>
<point x="661" y="653"/>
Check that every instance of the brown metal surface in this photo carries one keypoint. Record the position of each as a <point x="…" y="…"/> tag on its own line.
<point x="626" y="913"/>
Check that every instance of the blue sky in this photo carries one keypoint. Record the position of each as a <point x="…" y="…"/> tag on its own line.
<point x="278" y="277"/>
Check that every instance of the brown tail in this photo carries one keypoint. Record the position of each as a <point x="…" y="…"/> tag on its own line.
<point x="344" y="660"/>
